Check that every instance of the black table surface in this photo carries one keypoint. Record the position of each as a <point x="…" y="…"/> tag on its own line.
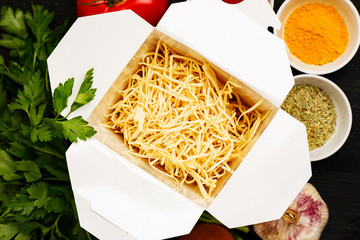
<point x="337" y="178"/>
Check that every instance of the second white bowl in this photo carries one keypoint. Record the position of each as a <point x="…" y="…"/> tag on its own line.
<point x="343" y="110"/>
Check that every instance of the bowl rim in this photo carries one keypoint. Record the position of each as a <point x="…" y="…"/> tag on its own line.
<point x="338" y="66"/>
<point x="348" y="110"/>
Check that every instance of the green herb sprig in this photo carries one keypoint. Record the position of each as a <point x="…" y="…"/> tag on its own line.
<point x="36" y="200"/>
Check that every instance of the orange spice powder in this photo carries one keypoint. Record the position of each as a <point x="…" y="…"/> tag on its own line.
<point x="316" y="33"/>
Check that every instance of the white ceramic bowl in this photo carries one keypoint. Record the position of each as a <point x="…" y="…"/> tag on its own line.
<point x="352" y="20"/>
<point x="343" y="110"/>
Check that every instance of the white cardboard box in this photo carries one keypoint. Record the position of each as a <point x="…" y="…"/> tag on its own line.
<point x="115" y="198"/>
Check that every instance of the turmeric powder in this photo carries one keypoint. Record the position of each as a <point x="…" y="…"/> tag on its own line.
<point x="316" y="33"/>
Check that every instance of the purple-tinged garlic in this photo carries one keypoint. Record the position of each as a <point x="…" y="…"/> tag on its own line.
<point x="305" y="219"/>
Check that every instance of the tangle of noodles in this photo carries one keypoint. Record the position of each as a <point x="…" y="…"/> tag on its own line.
<point x="175" y="114"/>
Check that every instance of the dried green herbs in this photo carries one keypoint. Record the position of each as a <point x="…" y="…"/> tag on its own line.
<point x="314" y="108"/>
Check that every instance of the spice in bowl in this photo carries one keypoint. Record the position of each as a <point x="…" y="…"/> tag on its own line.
<point x="315" y="109"/>
<point x="316" y="33"/>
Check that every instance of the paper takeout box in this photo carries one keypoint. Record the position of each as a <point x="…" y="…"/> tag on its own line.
<point x="117" y="195"/>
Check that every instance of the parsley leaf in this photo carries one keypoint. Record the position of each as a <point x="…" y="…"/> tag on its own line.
<point x="38" y="22"/>
<point x="61" y="95"/>
<point x="86" y="93"/>
<point x="41" y="133"/>
<point x="22" y="204"/>
<point x="8" y="231"/>
<point x="76" y="128"/>
<point x="30" y="169"/>
<point x="37" y="114"/>
<point x="38" y="191"/>
<point x="51" y="148"/>
<point x="8" y="167"/>
<point x="55" y="168"/>
<point x="31" y="96"/>
<point x="13" y="22"/>
<point x="21" y="150"/>
<point x="10" y="41"/>
<point x="72" y="129"/>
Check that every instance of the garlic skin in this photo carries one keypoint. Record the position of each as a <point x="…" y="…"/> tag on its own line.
<point x="305" y="219"/>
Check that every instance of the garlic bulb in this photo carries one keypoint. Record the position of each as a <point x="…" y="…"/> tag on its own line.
<point x="305" y="219"/>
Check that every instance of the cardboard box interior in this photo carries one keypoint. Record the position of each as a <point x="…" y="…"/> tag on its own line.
<point x="115" y="141"/>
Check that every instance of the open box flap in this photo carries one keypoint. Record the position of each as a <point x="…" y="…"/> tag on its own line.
<point x="262" y="194"/>
<point x="127" y="197"/>
<point x="93" y="42"/>
<point x="262" y="13"/>
<point x="229" y="39"/>
<point x="93" y="222"/>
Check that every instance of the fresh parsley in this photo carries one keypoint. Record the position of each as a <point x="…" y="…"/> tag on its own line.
<point x="36" y="200"/>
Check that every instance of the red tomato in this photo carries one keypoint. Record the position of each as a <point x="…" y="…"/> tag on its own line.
<point x="150" y="10"/>
<point x="208" y="231"/>
<point x="232" y="1"/>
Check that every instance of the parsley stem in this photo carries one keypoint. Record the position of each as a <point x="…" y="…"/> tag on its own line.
<point x="56" y="179"/>
<point x="235" y="235"/>
<point x="47" y="84"/>
<point x="57" y="230"/>
<point x="34" y="60"/>
<point x="88" y="235"/>
<point x="5" y="213"/>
